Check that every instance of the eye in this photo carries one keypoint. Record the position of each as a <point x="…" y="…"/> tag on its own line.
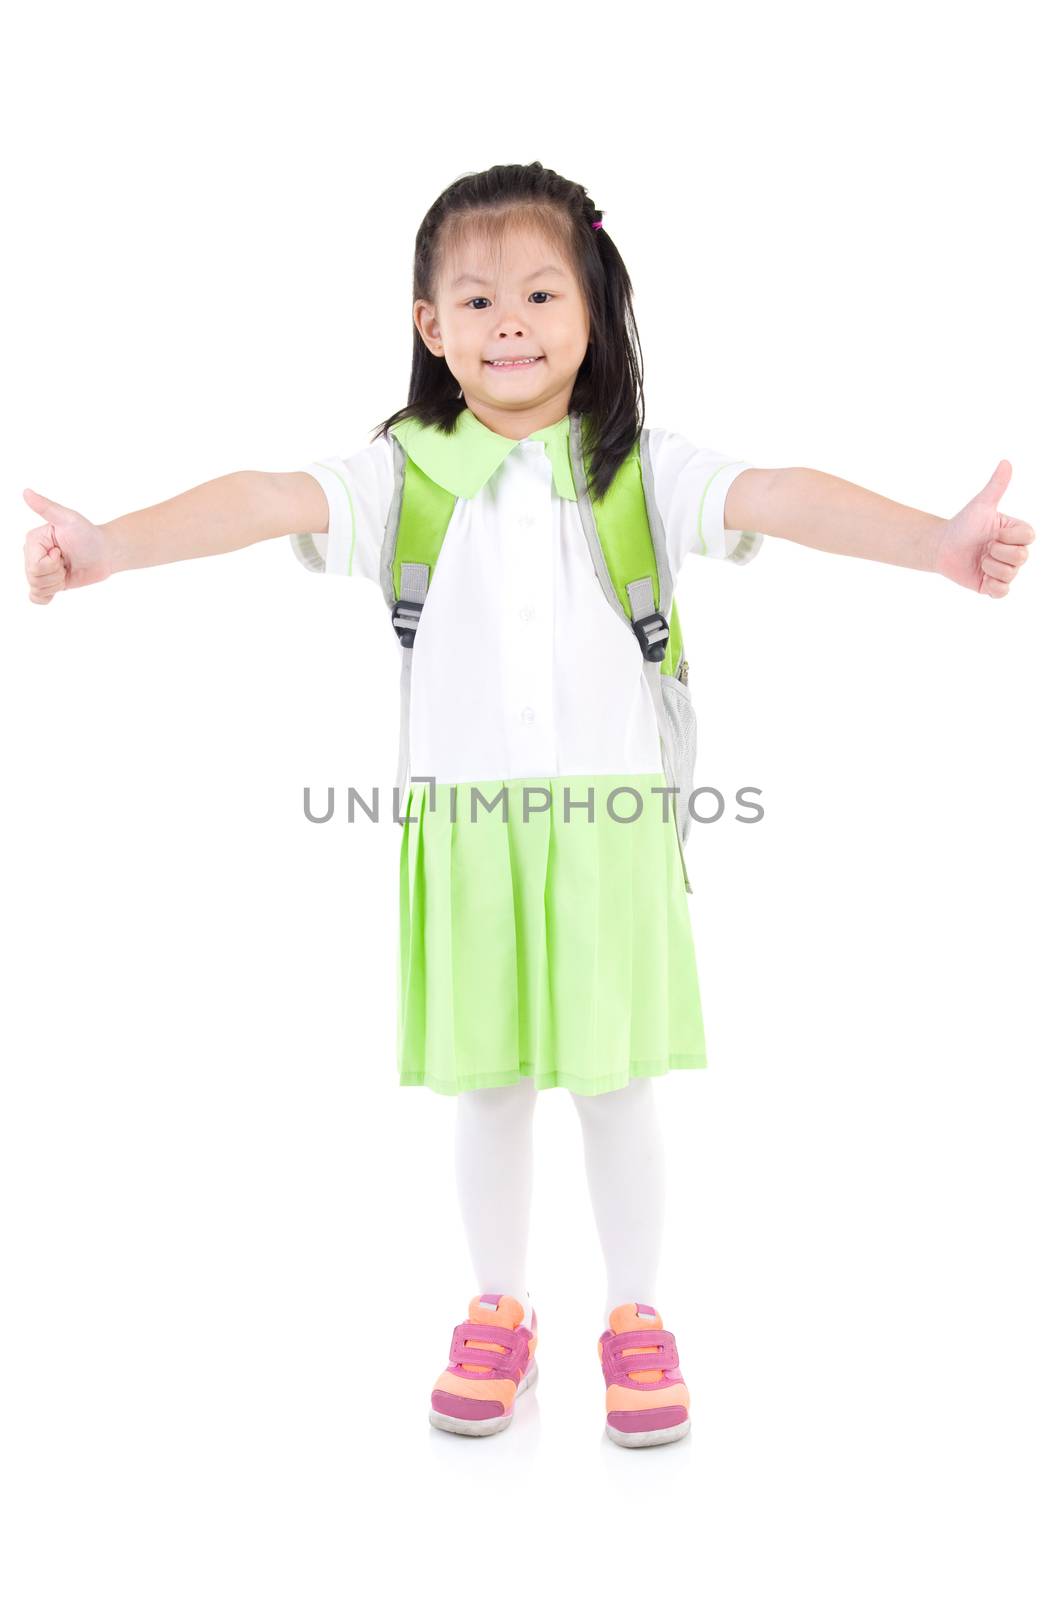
<point x="546" y="292"/>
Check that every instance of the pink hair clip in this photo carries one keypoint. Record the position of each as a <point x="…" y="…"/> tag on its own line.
<point x="597" y="224"/>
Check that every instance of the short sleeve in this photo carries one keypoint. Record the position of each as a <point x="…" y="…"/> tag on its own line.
<point x="359" y="490"/>
<point x="690" y="487"/>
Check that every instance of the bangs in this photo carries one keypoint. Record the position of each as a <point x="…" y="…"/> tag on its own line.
<point x="489" y="229"/>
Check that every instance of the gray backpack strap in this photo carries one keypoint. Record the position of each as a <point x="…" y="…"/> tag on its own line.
<point x="642" y="604"/>
<point x="655" y="523"/>
<point x="386" y="554"/>
<point x="648" y="622"/>
<point x="658" y="537"/>
<point x="414" y="575"/>
<point x="404" y="608"/>
<point x="588" y="521"/>
<point x="653" y="632"/>
<point x="670" y="729"/>
<point x="413" y="579"/>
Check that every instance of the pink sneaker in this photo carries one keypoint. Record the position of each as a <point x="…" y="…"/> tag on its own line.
<point x="647" y="1401"/>
<point x="491" y="1361"/>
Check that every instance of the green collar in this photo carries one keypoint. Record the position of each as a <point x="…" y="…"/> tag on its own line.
<point x="463" y="461"/>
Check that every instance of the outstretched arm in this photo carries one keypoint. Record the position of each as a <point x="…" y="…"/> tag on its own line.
<point x="980" y="548"/>
<point x="67" y="551"/>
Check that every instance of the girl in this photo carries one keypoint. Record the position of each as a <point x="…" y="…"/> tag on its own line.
<point x="547" y="943"/>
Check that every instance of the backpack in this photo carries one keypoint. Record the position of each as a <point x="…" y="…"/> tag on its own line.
<point x="626" y="542"/>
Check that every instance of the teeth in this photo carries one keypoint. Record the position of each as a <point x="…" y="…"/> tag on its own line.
<point x="526" y="361"/>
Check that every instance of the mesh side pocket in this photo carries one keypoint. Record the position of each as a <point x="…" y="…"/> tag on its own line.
<point x="679" y="743"/>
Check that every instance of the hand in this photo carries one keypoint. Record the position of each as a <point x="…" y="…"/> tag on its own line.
<point x="66" y="552"/>
<point x="981" y="548"/>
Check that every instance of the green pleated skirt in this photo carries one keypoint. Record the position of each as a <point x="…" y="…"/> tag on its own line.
<point x="544" y="944"/>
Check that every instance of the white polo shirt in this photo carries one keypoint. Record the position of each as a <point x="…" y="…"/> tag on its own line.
<point x="521" y="667"/>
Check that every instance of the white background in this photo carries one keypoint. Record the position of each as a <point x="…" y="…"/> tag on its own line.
<point x="230" y="1252"/>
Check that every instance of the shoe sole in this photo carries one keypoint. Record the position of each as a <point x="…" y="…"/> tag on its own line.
<point x="478" y="1428"/>
<point x="650" y="1435"/>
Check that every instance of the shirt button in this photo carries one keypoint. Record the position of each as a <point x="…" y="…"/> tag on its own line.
<point x="528" y="713"/>
<point x="527" y="613"/>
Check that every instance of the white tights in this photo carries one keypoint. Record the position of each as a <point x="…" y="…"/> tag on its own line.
<point x="623" y="1164"/>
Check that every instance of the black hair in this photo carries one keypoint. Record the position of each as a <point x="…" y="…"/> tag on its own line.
<point x="609" y="388"/>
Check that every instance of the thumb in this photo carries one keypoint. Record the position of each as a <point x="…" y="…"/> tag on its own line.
<point x="44" y="507"/>
<point x="997" y="484"/>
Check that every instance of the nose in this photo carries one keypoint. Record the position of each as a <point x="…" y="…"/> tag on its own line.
<point x="510" y="320"/>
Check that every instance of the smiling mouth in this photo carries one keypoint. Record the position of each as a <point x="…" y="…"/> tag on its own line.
<point x="523" y="361"/>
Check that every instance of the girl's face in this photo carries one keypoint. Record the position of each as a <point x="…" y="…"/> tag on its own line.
<point x="521" y="302"/>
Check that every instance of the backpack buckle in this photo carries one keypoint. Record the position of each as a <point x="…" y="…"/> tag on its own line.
<point x="405" y="617"/>
<point x="653" y="634"/>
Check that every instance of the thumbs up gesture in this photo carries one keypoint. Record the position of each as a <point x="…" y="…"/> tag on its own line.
<point x="65" y="552"/>
<point x="981" y="548"/>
